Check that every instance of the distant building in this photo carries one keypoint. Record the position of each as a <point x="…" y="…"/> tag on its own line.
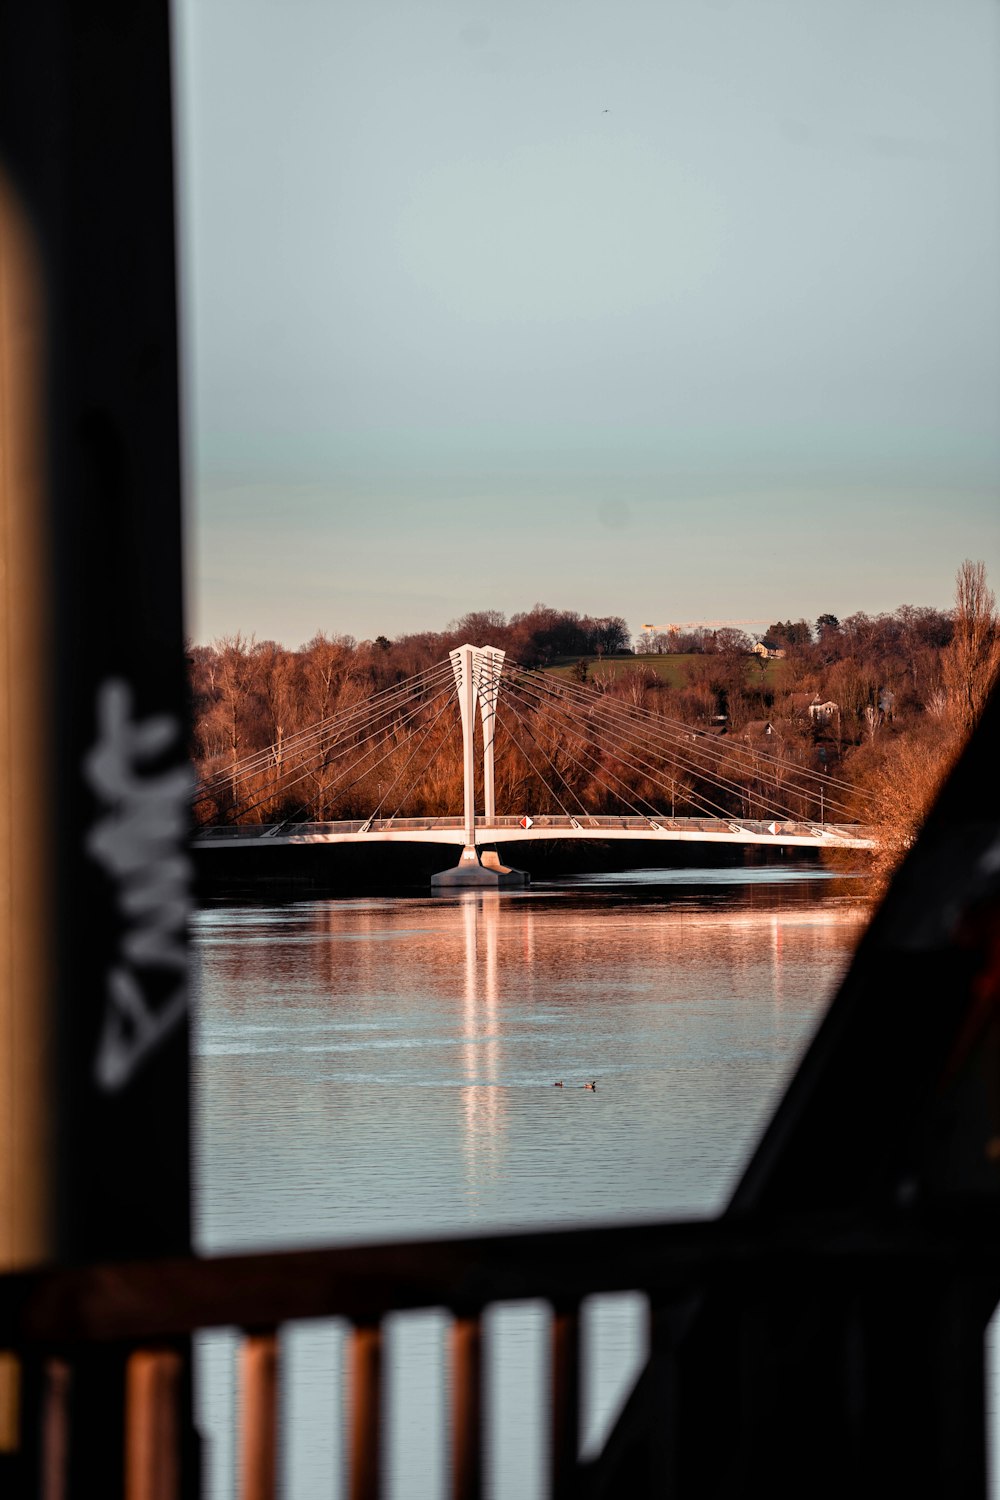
<point x="812" y="706"/>
<point x="759" y="729"/>
<point x="768" y="648"/>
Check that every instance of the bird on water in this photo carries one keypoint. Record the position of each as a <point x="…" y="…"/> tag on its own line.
<point x="558" y="1085"/>
<point x="592" y="1086"/>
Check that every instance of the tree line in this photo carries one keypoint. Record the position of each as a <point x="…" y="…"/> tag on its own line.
<point x="906" y="686"/>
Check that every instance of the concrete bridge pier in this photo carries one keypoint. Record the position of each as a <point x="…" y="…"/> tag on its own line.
<point x="485" y="874"/>
<point x="477" y="677"/>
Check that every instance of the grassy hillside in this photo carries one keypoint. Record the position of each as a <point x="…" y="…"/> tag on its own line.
<point x="669" y="668"/>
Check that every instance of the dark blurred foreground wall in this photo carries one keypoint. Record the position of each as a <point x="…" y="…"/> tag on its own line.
<point x="93" y="870"/>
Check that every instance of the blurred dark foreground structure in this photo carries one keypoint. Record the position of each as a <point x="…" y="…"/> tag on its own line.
<point x="825" y="1336"/>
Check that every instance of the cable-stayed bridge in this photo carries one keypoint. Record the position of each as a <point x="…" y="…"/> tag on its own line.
<point x="516" y="756"/>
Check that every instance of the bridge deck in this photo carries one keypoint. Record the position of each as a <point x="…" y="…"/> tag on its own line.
<point x="509" y="830"/>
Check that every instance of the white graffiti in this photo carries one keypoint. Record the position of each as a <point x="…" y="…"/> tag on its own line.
<point x="137" y="843"/>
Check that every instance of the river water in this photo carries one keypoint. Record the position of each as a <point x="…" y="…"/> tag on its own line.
<point x="383" y="1068"/>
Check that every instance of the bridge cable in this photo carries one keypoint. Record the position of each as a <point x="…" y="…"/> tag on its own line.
<point x="446" y="693"/>
<point x="620" y="733"/>
<point x="318" y="759"/>
<point x="284" y="787"/>
<point x="625" y="754"/>
<point x="539" y="777"/>
<point x="588" y="771"/>
<point x="594" y="775"/>
<point x="293" y="760"/>
<point x="668" y="728"/>
<point x="656" y="725"/>
<point x="624" y="749"/>
<point x="570" y="789"/>
<point x="365" y="708"/>
<point x="323" y="752"/>
<point x="337" y="723"/>
<point x="679" y="727"/>
<point x="426" y="731"/>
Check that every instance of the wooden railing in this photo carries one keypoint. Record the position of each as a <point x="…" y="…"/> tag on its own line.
<point x="138" y="1318"/>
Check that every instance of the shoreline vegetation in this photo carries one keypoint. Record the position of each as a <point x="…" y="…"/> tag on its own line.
<point x="883" y="703"/>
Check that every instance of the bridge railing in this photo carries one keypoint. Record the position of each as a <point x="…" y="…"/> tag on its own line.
<point x="653" y="821"/>
<point x="127" y="1327"/>
<point x="344" y="825"/>
<point x="539" y="821"/>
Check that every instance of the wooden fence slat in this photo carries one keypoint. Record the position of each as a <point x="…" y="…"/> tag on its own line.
<point x="365" y="1386"/>
<point x="10" y="1402"/>
<point x="56" y="1384"/>
<point x="259" y="1417"/>
<point x="565" y="1400"/>
<point x="153" y="1425"/>
<point x="466" y="1409"/>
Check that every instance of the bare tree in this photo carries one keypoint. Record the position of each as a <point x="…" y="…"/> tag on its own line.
<point x="276" y="686"/>
<point x="874" y="719"/>
<point x="235" y="680"/>
<point x="901" y="782"/>
<point x="325" y="662"/>
<point x="971" y="661"/>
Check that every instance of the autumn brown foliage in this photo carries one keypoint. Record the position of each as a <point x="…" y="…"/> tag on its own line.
<point x="900" y="692"/>
<point x="900" y="772"/>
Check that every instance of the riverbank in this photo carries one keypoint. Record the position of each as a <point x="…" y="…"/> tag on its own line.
<point x="356" y="869"/>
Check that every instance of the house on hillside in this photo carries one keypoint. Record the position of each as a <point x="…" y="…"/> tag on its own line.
<point x="759" y="729"/>
<point x="769" y="649"/>
<point x="820" y="711"/>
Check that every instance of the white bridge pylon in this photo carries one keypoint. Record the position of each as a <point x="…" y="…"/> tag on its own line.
<point x="477" y="677"/>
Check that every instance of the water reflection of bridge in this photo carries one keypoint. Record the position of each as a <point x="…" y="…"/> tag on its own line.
<point x="481" y="1100"/>
<point x="515" y="972"/>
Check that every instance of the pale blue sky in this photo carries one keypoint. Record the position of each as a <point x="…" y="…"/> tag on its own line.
<point x="663" y="308"/>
